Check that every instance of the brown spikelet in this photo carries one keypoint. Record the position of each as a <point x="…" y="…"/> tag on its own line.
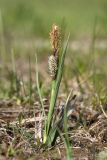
<point x="52" y="65"/>
<point x="55" y="38"/>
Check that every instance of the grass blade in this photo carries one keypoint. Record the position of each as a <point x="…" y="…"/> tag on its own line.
<point x="30" y="82"/>
<point x="66" y="139"/>
<point x="38" y="88"/>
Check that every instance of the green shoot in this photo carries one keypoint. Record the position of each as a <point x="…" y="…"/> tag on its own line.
<point x="54" y="92"/>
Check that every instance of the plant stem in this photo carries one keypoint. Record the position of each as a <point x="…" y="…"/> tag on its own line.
<point x="52" y="104"/>
<point x="54" y="92"/>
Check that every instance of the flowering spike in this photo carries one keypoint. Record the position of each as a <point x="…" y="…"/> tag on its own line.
<point x="52" y="65"/>
<point x="55" y="39"/>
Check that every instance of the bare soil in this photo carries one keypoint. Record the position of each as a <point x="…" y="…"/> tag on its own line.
<point x="88" y="134"/>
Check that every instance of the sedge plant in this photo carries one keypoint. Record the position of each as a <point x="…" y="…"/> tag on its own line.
<point x="56" y="65"/>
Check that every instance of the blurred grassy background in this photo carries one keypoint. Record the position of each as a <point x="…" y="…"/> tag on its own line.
<point x="35" y="17"/>
<point x="24" y="31"/>
<point x="24" y="24"/>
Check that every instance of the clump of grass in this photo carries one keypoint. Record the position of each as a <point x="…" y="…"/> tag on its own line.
<point x="56" y="64"/>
